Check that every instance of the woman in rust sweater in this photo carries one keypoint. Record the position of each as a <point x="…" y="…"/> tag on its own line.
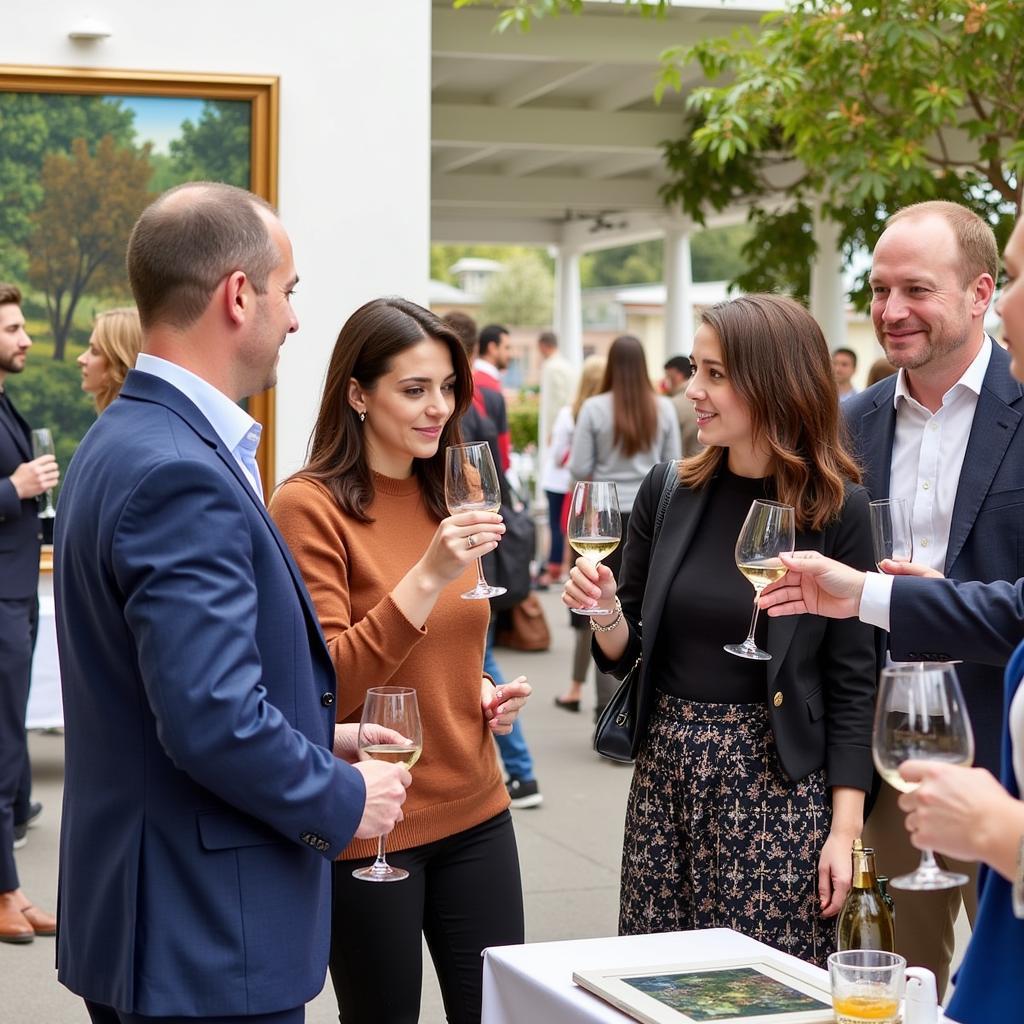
<point x="385" y="565"/>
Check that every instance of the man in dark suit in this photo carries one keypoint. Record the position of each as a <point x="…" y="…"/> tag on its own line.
<point x="22" y="480"/>
<point x="206" y="787"/>
<point x="945" y="435"/>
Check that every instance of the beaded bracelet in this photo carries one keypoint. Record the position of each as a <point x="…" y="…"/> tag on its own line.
<point x="608" y="626"/>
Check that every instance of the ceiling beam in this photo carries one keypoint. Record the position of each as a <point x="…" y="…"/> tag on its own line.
<point x="462" y="158"/>
<point x="530" y="161"/>
<point x="570" y="193"/>
<point x="538" y="82"/>
<point x="493" y="231"/>
<point x="621" y="163"/>
<point x="463" y="124"/>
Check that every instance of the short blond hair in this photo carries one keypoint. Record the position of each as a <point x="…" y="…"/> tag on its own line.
<point x="118" y="336"/>
<point x="975" y="239"/>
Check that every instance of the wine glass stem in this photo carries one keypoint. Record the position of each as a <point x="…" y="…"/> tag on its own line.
<point x="381" y="863"/>
<point x="481" y="582"/>
<point x="928" y="862"/>
<point x="750" y="642"/>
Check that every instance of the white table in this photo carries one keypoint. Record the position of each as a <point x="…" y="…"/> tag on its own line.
<point x="533" y="982"/>
<point x="45" y="708"/>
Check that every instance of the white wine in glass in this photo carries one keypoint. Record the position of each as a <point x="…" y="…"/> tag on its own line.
<point x="768" y="531"/>
<point x="389" y="730"/>
<point x="595" y="526"/>
<point x="890" y="530"/>
<point x="471" y="485"/>
<point x="920" y="715"/>
<point x="42" y="444"/>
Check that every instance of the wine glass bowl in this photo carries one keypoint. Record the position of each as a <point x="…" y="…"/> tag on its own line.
<point x="768" y="531"/>
<point x="42" y="444"/>
<point x="920" y="715"/>
<point x="471" y="484"/>
<point x="891" y="534"/>
<point x="389" y="730"/>
<point x="594" y="529"/>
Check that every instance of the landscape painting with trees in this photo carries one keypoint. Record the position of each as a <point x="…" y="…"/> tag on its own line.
<point x="76" y="169"/>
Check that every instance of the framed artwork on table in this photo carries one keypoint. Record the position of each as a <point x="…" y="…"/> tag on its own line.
<point x="85" y="150"/>
<point x="752" y="991"/>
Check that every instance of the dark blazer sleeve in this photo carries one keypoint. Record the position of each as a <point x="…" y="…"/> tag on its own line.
<point x="10" y="503"/>
<point x="943" y="620"/>
<point x="632" y="582"/>
<point x="848" y="660"/>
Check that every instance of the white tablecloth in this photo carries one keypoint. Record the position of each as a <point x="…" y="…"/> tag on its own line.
<point x="45" y="710"/>
<point x="533" y="983"/>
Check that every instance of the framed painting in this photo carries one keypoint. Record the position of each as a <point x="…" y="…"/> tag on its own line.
<point x="85" y="150"/>
<point x="754" y="991"/>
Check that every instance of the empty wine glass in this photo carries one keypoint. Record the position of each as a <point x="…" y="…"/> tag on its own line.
<point x="768" y="531"/>
<point x="387" y="708"/>
<point x="595" y="526"/>
<point x="471" y="485"/>
<point x="921" y="715"/>
<point x="42" y="444"/>
<point x="890" y="530"/>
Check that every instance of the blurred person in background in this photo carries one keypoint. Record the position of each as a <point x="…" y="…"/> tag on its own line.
<point x="677" y="376"/>
<point x="114" y="344"/>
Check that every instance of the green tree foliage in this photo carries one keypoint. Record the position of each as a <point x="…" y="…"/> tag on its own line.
<point x="81" y="227"/>
<point x="443" y="257"/>
<point x="218" y="148"/>
<point x="33" y="125"/>
<point x="521" y="295"/>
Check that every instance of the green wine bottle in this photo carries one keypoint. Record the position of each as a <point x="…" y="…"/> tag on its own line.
<point x="865" y="921"/>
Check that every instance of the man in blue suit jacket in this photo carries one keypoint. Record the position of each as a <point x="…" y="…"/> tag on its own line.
<point x="22" y="479"/>
<point x="203" y="801"/>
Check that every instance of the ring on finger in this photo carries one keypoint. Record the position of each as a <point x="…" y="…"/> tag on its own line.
<point x="471" y="541"/>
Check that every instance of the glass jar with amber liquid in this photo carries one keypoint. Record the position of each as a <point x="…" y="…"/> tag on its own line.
<point x="865" y="922"/>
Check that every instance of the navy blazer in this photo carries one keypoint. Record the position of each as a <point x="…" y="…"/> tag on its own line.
<point x="202" y="803"/>
<point x="821" y="680"/>
<point x="987" y="535"/>
<point x="20" y="533"/>
<point x="990" y="983"/>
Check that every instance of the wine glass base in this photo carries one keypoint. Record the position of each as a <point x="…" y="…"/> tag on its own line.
<point x="592" y="611"/>
<point x="750" y="651"/>
<point x="929" y="880"/>
<point x="481" y="592"/>
<point x="378" y="873"/>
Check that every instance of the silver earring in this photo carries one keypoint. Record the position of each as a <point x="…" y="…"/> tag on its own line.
<point x="362" y="417"/>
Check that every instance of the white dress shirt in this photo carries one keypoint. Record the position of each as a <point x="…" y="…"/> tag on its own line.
<point x="232" y="424"/>
<point x="928" y="452"/>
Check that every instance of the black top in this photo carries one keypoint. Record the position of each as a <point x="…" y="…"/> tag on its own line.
<point x="711" y="603"/>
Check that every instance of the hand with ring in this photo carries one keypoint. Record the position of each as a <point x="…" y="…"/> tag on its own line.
<point x="471" y="541"/>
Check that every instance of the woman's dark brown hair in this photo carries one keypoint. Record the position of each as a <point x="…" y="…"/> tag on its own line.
<point x="368" y="343"/>
<point x="776" y="358"/>
<point x="634" y="408"/>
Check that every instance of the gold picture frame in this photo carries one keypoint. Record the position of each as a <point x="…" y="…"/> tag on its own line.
<point x="260" y="92"/>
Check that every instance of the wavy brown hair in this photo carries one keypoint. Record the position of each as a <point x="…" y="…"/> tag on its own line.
<point x="366" y="347"/>
<point x="634" y="408"/>
<point x="777" y="359"/>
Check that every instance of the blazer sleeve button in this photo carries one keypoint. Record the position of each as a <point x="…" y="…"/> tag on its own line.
<point x="327" y="699"/>
<point x="777" y="699"/>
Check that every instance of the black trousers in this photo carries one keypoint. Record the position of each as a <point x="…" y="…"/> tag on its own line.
<point x="100" y="1014"/>
<point x="18" y="622"/>
<point x="463" y="894"/>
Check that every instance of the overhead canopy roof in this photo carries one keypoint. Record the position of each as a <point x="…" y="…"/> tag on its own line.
<point x="539" y="132"/>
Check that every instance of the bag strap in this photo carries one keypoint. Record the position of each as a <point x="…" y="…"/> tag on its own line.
<point x="668" y="488"/>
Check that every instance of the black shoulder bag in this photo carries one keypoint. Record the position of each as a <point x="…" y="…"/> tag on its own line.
<point x="615" y="735"/>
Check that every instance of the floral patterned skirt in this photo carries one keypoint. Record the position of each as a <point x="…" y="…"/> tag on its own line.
<point x="718" y="837"/>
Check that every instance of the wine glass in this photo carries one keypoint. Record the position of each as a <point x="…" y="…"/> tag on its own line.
<point x="471" y="485"/>
<point x="768" y="531"/>
<point x="595" y="526"/>
<point x="890" y="530"/>
<point x="391" y="708"/>
<point x="921" y="715"/>
<point x="42" y="444"/>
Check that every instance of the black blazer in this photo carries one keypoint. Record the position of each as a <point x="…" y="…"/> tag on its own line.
<point x="821" y="679"/>
<point x="20" y="532"/>
<point x="986" y="541"/>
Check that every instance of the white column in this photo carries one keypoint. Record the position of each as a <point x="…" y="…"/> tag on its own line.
<point x="679" y="295"/>
<point x="569" y="305"/>
<point x="828" y="298"/>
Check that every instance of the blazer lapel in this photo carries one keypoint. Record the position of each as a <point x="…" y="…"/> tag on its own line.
<point x="995" y="422"/>
<point x="877" y="430"/>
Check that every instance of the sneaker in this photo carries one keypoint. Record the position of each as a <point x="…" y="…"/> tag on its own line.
<point x="524" y="793"/>
<point x="34" y="810"/>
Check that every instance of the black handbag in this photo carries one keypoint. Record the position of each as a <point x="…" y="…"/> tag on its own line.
<point x="508" y="565"/>
<point x="615" y="735"/>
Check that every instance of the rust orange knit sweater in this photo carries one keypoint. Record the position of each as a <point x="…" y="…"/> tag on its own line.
<point x="350" y="569"/>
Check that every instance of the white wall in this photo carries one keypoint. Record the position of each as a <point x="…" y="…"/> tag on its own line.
<point x="354" y="158"/>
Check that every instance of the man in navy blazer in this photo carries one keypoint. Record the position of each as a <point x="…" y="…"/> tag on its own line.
<point x="207" y="788"/>
<point x="22" y="479"/>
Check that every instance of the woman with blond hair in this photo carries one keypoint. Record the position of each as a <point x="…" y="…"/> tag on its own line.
<point x="113" y="346"/>
<point x="750" y="775"/>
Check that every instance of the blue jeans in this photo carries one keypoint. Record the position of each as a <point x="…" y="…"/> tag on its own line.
<point x="515" y="754"/>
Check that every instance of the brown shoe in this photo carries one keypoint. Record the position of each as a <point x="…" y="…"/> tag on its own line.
<point x="14" y="926"/>
<point x="42" y="923"/>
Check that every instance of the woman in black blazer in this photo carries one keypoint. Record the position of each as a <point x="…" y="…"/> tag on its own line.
<point x="751" y="776"/>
